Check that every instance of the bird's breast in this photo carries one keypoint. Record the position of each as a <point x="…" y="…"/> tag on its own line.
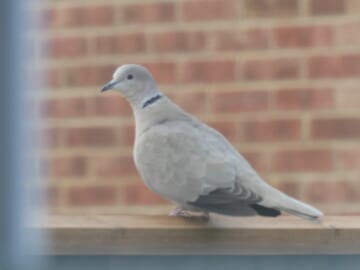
<point x="167" y="167"/>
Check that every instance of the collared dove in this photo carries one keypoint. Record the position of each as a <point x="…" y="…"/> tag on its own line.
<point x="191" y="164"/>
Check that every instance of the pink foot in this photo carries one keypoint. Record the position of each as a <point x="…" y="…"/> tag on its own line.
<point x="179" y="212"/>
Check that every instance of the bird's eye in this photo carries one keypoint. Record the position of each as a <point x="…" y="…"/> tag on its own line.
<point x="130" y="77"/>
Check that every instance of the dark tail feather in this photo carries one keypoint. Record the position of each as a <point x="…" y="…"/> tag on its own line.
<point x="265" y="211"/>
<point x="239" y="209"/>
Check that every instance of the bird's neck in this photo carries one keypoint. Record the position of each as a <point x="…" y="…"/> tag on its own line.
<point x="156" y="112"/>
<point x="151" y="100"/>
<point x="138" y="99"/>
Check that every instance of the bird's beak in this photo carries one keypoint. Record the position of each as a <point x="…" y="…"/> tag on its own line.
<point x="108" y="86"/>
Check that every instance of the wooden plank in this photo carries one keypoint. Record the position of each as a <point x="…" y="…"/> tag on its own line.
<point x="162" y="235"/>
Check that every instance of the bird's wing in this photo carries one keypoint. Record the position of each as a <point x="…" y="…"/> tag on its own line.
<point x="195" y="164"/>
<point x="235" y="202"/>
<point x="249" y="194"/>
<point x="191" y="163"/>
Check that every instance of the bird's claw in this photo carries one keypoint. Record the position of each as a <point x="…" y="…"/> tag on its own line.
<point x="179" y="212"/>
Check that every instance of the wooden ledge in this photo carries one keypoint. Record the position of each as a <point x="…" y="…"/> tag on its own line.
<point x="162" y="235"/>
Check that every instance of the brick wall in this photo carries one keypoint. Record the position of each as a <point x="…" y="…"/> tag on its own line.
<point x="278" y="77"/>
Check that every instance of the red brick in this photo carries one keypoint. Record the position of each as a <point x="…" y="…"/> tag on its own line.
<point x="351" y="65"/>
<point x="271" y="8"/>
<point x="139" y="194"/>
<point x="53" y="77"/>
<point x="79" y="16"/>
<point x="334" y="66"/>
<point x="208" y="71"/>
<point x="302" y="160"/>
<point x="271" y="130"/>
<point x="208" y="10"/>
<point x="178" y="41"/>
<point x="336" y="128"/>
<point x="127" y="135"/>
<point x="66" y="47"/>
<point x="325" y="66"/>
<point x="99" y="15"/>
<point x="120" y="44"/>
<point x="348" y="159"/>
<point x="80" y="76"/>
<point x="341" y="191"/>
<point x="347" y="34"/>
<point x="271" y="69"/>
<point x="240" y="101"/>
<point x="50" y="137"/>
<point x="112" y="105"/>
<point x="320" y="7"/>
<point x="148" y="13"/>
<point x="88" y="75"/>
<point x="91" y="136"/>
<point x="163" y="72"/>
<point x="103" y="74"/>
<point x="91" y="196"/>
<point x="49" y="196"/>
<point x="193" y="102"/>
<point x="66" y="167"/>
<point x="115" y="166"/>
<point x="303" y="36"/>
<point x="257" y="160"/>
<point x="227" y="128"/>
<point x="232" y="40"/>
<point x="299" y="99"/>
<point x="67" y="107"/>
<point x="60" y="17"/>
<point x="291" y="188"/>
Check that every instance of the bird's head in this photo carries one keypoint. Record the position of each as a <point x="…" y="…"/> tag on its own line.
<point x="134" y="82"/>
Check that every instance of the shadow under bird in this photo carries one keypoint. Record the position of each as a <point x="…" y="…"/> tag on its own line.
<point x="191" y="164"/>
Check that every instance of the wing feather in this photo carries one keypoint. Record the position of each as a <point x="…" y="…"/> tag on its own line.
<point x="195" y="165"/>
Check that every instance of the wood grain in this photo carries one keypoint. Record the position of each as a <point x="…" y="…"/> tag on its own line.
<point x="162" y="235"/>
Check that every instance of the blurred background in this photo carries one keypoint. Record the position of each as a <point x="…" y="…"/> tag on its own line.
<point x="279" y="78"/>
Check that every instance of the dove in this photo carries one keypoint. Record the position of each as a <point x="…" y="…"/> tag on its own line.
<point x="191" y="164"/>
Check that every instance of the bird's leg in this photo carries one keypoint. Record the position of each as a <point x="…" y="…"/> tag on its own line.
<point x="181" y="212"/>
<point x="204" y="216"/>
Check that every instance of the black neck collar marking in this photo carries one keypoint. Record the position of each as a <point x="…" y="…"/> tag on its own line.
<point x="151" y="100"/>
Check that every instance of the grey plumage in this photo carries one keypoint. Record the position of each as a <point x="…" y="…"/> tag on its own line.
<point x="191" y="164"/>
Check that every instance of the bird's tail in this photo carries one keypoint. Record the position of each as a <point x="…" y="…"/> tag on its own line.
<point x="302" y="210"/>
<point x="285" y="203"/>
